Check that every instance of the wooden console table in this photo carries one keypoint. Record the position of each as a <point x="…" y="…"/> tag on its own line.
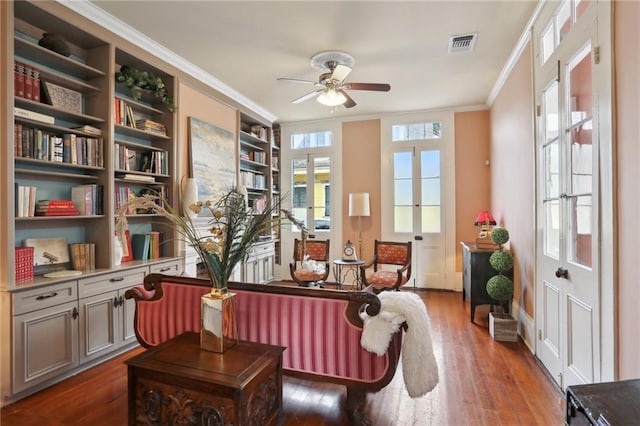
<point x="178" y="383"/>
<point x="610" y="403"/>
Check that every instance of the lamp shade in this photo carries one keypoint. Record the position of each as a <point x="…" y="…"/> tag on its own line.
<point x="332" y="97"/>
<point x="484" y="218"/>
<point x="359" y="204"/>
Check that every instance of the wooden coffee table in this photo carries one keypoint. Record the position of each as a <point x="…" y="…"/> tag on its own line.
<point x="178" y="383"/>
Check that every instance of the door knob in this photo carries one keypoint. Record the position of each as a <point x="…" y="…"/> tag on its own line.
<point x="562" y="273"/>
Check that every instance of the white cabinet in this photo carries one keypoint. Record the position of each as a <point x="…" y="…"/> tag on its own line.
<point x="61" y="328"/>
<point x="259" y="266"/>
<point x="45" y="334"/>
<point x="105" y="316"/>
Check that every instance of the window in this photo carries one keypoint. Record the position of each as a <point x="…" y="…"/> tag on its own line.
<point x="311" y="140"/>
<point x="560" y="24"/>
<point x="416" y="131"/>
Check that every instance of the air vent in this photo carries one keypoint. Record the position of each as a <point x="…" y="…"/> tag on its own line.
<point x="462" y="43"/>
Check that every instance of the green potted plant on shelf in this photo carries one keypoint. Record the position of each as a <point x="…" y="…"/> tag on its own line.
<point x="138" y="81"/>
<point x="502" y="326"/>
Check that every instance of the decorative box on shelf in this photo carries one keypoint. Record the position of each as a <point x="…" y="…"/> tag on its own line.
<point x="24" y="263"/>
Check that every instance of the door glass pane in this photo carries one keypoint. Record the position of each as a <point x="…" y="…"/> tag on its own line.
<point x="551" y="228"/>
<point x="579" y="86"/>
<point x="403" y="192"/>
<point x="580" y="231"/>
<point x="551" y="170"/>
<point x="299" y="190"/>
<point x="581" y="6"/>
<point x="563" y="20"/>
<point x="321" y="192"/>
<point x="550" y="104"/>
<point x="430" y="200"/>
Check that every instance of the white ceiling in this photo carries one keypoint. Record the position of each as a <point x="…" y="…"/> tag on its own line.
<point x="248" y="45"/>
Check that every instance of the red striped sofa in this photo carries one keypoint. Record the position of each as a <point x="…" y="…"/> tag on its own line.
<point x="320" y="328"/>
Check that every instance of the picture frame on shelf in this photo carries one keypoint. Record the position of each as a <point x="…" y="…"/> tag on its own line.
<point x="61" y="97"/>
<point x="212" y="157"/>
<point x="49" y="254"/>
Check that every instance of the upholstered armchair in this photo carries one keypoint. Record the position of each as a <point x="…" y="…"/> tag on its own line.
<point x="310" y="263"/>
<point x="391" y="266"/>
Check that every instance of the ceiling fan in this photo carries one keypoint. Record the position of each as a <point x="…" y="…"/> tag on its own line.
<point x="332" y="86"/>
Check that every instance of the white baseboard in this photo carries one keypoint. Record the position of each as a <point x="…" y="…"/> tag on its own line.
<point x="526" y="327"/>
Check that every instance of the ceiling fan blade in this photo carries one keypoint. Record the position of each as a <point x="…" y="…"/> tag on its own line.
<point x="378" y="87"/>
<point x="350" y="103"/>
<point x="307" y="96"/>
<point x="340" y="73"/>
<point x="296" y="80"/>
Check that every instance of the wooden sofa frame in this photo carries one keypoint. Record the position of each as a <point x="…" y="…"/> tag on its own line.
<point x="162" y="312"/>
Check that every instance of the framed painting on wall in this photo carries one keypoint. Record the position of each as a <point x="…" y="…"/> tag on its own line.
<point x="212" y="153"/>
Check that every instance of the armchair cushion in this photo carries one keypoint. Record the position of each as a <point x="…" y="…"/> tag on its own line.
<point x="385" y="279"/>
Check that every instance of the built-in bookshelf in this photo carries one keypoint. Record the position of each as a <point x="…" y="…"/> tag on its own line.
<point x="60" y="118"/>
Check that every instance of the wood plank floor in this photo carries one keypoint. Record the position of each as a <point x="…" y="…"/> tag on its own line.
<point x="482" y="382"/>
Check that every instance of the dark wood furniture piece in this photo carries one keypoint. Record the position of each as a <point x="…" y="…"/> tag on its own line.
<point x="476" y="271"/>
<point x="611" y="403"/>
<point x="342" y="268"/>
<point x="179" y="383"/>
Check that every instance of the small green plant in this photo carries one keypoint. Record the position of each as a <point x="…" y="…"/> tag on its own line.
<point x="137" y="81"/>
<point x="500" y="287"/>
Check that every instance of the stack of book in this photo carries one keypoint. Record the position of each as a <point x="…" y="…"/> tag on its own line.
<point x="146" y="246"/>
<point x="25" y="201"/>
<point x="27" y="81"/>
<point x="56" y="208"/>
<point x="151" y="126"/>
<point x="83" y="256"/>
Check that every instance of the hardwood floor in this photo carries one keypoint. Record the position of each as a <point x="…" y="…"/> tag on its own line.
<point x="482" y="382"/>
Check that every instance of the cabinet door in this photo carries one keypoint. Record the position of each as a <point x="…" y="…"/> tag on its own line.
<point x="127" y="312"/>
<point x="45" y="345"/>
<point x="251" y="271"/>
<point x="267" y="269"/>
<point x="98" y="325"/>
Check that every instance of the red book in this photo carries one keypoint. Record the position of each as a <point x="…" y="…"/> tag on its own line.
<point x="28" y="82"/>
<point x="55" y="203"/>
<point x="58" y="213"/>
<point x="18" y="78"/>
<point x="35" y="83"/>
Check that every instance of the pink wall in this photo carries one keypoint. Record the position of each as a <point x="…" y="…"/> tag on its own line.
<point x="627" y="94"/>
<point x="512" y="174"/>
<point x="473" y="192"/>
<point x="361" y="173"/>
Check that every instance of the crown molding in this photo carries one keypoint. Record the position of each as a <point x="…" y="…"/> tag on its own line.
<point x="98" y="16"/>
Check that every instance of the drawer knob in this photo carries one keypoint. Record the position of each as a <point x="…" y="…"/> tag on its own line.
<point x="165" y="269"/>
<point x="113" y="280"/>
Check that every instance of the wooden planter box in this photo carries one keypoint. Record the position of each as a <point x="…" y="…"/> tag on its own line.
<point x="503" y="327"/>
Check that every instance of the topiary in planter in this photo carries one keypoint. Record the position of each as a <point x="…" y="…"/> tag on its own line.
<point x="500" y="287"/>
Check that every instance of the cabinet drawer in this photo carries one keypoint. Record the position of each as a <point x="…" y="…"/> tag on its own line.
<point x="103" y="283"/>
<point x="44" y="297"/>
<point x="167" y="268"/>
<point x="261" y="250"/>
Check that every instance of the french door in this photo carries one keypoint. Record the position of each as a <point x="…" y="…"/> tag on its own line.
<point x="417" y="189"/>
<point x="569" y="91"/>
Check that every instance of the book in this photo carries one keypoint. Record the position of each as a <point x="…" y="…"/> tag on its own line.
<point x="140" y="244"/>
<point x="28" y="82"/>
<point x="132" y="176"/>
<point x="32" y="115"/>
<point x="82" y="197"/>
<point x="18" y="79"/>
<point x="89" y="129"/>
<point x="35" y="84"/>
<point x="56" y="204"/>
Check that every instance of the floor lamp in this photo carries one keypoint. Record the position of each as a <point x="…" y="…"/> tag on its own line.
<point x="359" y="206"/>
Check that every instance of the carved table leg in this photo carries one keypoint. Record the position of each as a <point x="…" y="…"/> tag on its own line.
<point x="356" y="399"/>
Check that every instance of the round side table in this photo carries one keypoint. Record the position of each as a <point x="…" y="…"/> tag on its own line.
<point x="352" y="267"/>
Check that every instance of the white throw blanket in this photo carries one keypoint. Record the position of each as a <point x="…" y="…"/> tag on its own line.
<point x="419" y="366"/>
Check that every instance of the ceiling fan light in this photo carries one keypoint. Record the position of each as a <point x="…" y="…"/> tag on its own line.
<point x="331" y="98"/>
